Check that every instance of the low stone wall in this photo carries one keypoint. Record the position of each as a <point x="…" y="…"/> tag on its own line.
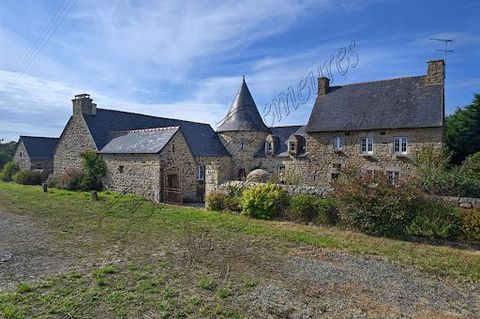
<point x="291" y="189"/>
<point x="463" y="202"/>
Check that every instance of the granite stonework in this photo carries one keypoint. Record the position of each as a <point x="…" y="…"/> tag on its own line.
<point x="197" y="160"/>
<point x="21" y="157"/>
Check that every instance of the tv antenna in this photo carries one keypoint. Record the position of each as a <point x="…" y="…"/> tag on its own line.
<point x="446" y="50"/>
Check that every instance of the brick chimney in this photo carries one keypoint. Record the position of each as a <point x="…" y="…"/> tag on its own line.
<point x="82" y="104"/>
<point x="436" y="72"/>
<point x="323" y="85"/>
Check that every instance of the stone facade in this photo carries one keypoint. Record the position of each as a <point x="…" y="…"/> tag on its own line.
<point x="323" y="161"/>
<point x="74" y="140"/>
<point x="147" y="175"/>
<point x="134" y="174"/>
<point x="26" y="163"/>
<point x="243" y="146"/>
<point x="21" y="157"/>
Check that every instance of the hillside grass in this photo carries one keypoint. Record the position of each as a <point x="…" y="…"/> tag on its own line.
<point x="150" y="258"/>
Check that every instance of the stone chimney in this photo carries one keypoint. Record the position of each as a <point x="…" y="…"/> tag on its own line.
<point x="82" y="104"/>
<point x="323" y="85"/>
<point x="436" y="72"/>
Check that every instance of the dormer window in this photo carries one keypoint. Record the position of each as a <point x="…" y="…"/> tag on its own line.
<point x="337" y="144"/>
<point x="269" y="147"/>
<point x="292" y="147"/>
<point x="400" y="145"/>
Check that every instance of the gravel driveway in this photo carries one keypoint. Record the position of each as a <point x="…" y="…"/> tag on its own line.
<point x="26" y="251"/>
<point x="305" y="283"/>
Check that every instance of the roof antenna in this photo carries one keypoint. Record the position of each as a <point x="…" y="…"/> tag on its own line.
<point x="445" y="51"/>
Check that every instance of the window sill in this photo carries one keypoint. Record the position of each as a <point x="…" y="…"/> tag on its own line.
<point x="366" y="154"/>
<point x="401" y="155"/>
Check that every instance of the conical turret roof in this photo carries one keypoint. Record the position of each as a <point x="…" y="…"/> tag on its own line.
<point x="243" y="114"/>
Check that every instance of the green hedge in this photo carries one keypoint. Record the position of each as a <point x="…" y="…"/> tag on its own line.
<point x="28" y="178"/>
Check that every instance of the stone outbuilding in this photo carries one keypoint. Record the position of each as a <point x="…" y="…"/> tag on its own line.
<point x="35" y="153"/>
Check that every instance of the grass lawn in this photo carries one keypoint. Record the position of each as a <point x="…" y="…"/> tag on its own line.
<point x="137" y="258"/>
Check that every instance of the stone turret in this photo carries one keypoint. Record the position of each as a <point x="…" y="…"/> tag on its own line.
<point x="243" y="131"/>
<point x="83" y="104"/>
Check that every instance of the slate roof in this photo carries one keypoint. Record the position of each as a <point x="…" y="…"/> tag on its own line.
<point x="147" y="141"/>
<point x="243" y="115"/>
<point x="283" y="133"/>
<point x="38" y="147"/>
<point x="388" y="104"/>
<point x="200" y="137"/>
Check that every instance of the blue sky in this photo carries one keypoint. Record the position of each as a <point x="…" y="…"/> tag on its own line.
<point x="186" y="59"/>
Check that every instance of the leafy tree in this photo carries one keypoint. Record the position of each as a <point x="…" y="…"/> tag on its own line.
<point x="463" y="131"/>
<point x="6" y="152"/>
<point x="94" y="168"/>
<point x="93" y="164"/>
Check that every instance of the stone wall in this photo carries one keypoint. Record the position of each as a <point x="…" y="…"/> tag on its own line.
<point x="463" y="202"/>
<point x="176" y="158"/>
<point x="243" y="146"/>
<point x="206" y="161"/>
<point x="75" y="139"/>
<point x="291" y="189"/>
<point x="21" y="157"/>
<point x="144" y="174"/>
<point x="137" y="174"/>
<point x="322" y="160"/>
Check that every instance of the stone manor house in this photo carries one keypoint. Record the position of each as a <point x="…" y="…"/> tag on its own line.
<point x="374" y="126"/>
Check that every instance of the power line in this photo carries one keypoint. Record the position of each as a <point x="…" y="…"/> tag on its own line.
<point x="43" y="39"/>
<point x="34" y="46"/>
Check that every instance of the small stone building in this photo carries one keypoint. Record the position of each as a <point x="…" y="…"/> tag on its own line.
<point x="151" y="156"/>
<point x="35" y="153"/>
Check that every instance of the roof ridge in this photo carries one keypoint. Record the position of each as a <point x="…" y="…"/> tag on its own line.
<point x="152" y="129"/>
<point x="282" y="126"/>
<point x="31" y="136"/>
<point x="384" y="80"/>
<point x="153" y="116"/>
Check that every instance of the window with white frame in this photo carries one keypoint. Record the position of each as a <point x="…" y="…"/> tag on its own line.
<point x="367" y="145"/>
<point x="269" y="147"/>
<point x="292" y="146"/>
<point x="393" y="176"/>
<point x="337" y="143"/>
<point x="400" y="145"/>
<point x="200" y="172"/>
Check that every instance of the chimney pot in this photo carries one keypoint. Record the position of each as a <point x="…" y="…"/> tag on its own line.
<point x="82" y="104"/>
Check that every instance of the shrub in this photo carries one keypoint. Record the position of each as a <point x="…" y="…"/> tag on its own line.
<point x="233" y="204"/>
<point x="216" y="201"/>
<point x="457" y="181"/>
<point x="70" y="179"/>
<point x="327" y="213"/>
<point x="373" y="204"/>
<point x="51" y="181"/>
<point x="302" y="208"/>
<point x="264" y="201"/>
<point x="470" y="224"/>
<point x="94" y="168"/>
<point x="28" y="178"/>
<point x="9" y="169"/>
<point x="435" y="219"/>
